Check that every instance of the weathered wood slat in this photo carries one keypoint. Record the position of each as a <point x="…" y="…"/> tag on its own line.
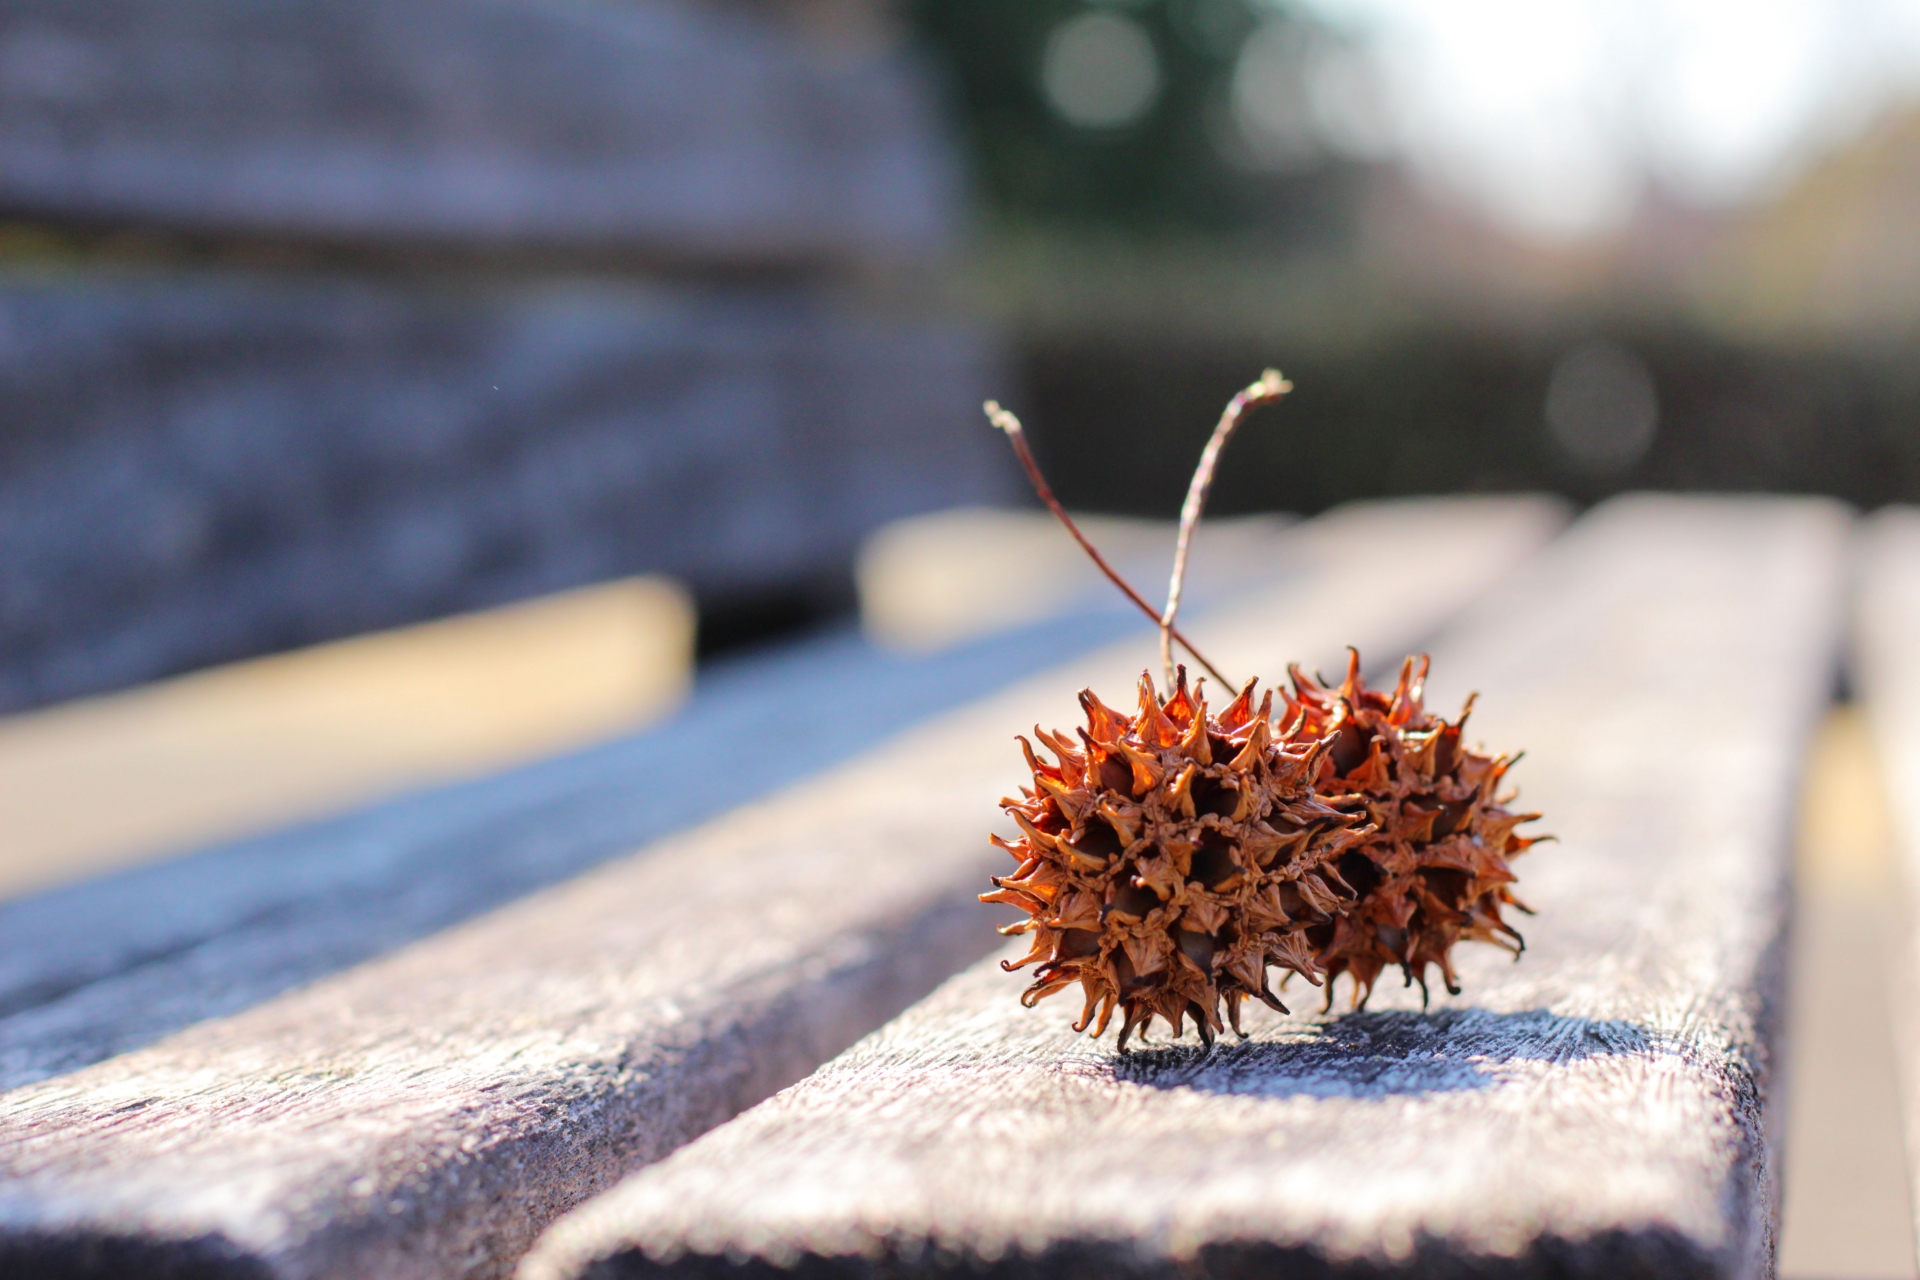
<point x="1597" y="1109"/>
<point x="250" y="747"/>
<point x="201" y="466"/>
<point x="428" y="1113"/>
<point x="1845" y="1208"/>
<point x="678" y="131"/>
<point x="103" y="966"/>
<point x="106" y="966"/>
<point x="1887" y="674"/>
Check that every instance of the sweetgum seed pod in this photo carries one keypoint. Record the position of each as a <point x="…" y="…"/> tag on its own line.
<point x="1167" y="860"/>
<point x="1435" y="866"/>
<point x="1172" y="859"/>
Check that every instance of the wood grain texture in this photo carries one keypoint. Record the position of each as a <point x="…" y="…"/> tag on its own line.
<point x="1597" y="1109"/>
<point x="98" y="968"/>
<point x="1886" y="666"/>
<point x="426" y="1114"/>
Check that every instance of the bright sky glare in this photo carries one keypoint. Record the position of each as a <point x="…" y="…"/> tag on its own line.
<point x="1553" y="115"/>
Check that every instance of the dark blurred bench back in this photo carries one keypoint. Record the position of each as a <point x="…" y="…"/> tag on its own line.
<point x="677" y="130"/>
<point x="460" y="385"/>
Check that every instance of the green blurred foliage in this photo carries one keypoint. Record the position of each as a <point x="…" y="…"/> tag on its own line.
<point x="1168" y="171"/>
<point x="1148" y="275"/>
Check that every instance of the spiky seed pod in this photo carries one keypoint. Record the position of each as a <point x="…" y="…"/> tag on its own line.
<point x="1434" y="868"/>
<point x="1167" y="860"/>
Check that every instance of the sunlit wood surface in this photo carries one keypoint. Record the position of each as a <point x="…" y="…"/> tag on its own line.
<point x="1845" y="1204"/>
<point x="110" y="781"/>
<point x="1596" y="1109"/>
<point x="1887" y="675"/>
<point x="427" y="1112"/>
<point x="938" y="579"/>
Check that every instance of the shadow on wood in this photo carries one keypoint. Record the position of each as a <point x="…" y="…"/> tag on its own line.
<point x="1378" y="1055"/>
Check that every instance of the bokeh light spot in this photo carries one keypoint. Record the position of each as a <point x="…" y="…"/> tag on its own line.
<point x="1100" y="71"/>
<point x="1601" y="406"/>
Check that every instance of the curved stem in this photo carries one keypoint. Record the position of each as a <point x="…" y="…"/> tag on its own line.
<point x="1270" y="388"/>
<point x="1017" y="435"/>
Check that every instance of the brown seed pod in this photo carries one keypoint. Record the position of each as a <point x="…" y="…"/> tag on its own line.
<point x="1168" y="859"/>
<point x="1433" y="869"/>
<point x="1167" y="864"/>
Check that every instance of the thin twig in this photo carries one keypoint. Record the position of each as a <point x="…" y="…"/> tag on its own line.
<point x="1270" y="388"/>
<point x="1011" y="426"/>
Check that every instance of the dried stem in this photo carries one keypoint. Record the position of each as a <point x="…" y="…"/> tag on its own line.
<point x="1011" y="426"/>
<point x="1270" y="388"/>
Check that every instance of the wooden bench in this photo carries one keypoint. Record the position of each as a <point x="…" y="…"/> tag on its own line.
<point x="1597" y="1109"/>
<point x="255" y="746"/>
<point x="932" y="580"/>
<point x="428" y="1112"/>
<point x="216" y="931"/>
<point x="212" y="933"/>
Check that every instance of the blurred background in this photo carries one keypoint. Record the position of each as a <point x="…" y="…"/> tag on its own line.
<point x="1574" y="247"/>
<point x="393" y="390"/>
<point x="326" y="316"/>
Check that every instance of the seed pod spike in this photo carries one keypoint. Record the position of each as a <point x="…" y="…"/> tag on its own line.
<point x="1109" y="1002"/>
<point x="1401" y="700"/>
<point x="1033" y="761"/>
<point x="1194" y="743"/>
<point x="1240" y="710"/>
<point x="1180" y="707"/>
<point x="1087" y="1010"/>
<point x="1271" y="1000"/>
<point x="1038" y="837"/>
<point x="1233" y="1013"/>
<point x="1203" y="1026"/>
<point x="1103" y="722"/>
<point x="1154" y="725"/>
<point x="1255" y="750"/>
